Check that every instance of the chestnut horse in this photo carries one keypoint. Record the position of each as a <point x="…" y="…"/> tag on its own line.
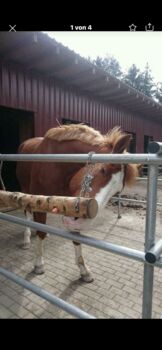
<point x="64" y="179"/>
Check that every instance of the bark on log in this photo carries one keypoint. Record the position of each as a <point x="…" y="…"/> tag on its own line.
<point x="68" y="206"/>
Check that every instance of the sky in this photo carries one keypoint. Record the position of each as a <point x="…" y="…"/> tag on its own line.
<point x="127" y="47"/>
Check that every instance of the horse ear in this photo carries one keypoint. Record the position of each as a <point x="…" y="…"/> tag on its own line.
<point x="140" y="169"/>
<point x="122" y="144"/>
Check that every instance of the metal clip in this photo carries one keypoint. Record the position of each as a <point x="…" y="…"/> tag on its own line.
<point x="90" y="154"/>
<point x="87" y="180"/>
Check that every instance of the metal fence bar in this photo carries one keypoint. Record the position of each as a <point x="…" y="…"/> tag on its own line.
<point x="71" y="309"/>
<point x="82" y="158"/>
<point x="155" y="147"/>
<point x="154" y="253"/>
<point x="112" y="248"/>
<point x="153" y="160"/>
<point x="145" y="179"/>
<point x="119" y="206"/>
<point x="149" y="240"/>
<point x="133" y="200"/>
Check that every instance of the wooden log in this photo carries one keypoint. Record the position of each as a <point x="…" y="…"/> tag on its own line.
<point x="68" y="206"/>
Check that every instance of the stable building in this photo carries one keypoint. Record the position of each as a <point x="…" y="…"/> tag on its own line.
<point x="43" y="83"/>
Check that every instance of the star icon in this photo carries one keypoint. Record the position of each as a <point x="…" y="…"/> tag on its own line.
<point x="132" y="27"/>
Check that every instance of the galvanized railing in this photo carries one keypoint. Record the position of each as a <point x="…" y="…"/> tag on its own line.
<point x="151" y="256"/>
<point x="119" y="198"/>
<point x="71" y="309"/>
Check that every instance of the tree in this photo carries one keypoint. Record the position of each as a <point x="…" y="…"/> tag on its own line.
<point x="142" y="81"/>
<point x="133" y="77"/>
<point x="110" y="65"/>
<point x="147" y="85"/>
<point x="158" y="93"/>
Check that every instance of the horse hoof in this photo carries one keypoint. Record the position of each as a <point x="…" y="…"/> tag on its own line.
<point x="26" y="246"/>
<point x="87" y="278"/>
<point x="38" y="270"/>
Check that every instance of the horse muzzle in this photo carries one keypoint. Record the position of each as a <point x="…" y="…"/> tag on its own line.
<point x="73" y="224"/>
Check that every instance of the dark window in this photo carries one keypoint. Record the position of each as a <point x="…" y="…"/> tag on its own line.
<point x="15" y="127"/>
<point x="132" y="145"/>
<point x="71" y="121"/>
<point x="147" y="139"/>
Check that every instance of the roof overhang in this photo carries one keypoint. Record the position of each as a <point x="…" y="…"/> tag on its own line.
<point x="37" y="52"/>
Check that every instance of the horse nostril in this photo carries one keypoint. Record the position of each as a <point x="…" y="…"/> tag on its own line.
<point x="75" y="218"/>
<point x="103" y="171"/>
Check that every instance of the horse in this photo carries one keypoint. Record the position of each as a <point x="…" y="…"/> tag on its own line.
<point x="65" y="179"/>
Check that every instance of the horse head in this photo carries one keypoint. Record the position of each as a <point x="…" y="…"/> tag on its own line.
<point x="106" y="179"/>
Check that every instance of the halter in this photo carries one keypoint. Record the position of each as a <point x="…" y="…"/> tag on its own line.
<point x="88" y="177"/>
<point x="87" y="180"/>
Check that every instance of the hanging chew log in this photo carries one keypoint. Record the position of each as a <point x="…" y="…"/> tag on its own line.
<point x="68" y="206"/>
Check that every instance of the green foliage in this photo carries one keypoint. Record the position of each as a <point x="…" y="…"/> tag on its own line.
<point x="148" y="86"/>
<point x="109" y="64"/>
<point x="158" y="92"/>
<point x="140" y="80"/>
<point x="133" y="77"/>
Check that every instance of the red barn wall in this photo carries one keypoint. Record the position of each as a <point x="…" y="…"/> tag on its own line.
<point x="51" y="100"/>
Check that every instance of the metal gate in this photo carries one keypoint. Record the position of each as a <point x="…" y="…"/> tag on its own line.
<point x="151" y="256"/>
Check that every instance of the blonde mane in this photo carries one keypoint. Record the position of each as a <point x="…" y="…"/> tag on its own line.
<point x="85" y="134"/>
<point x="75" y="132"/>
<point x="114" y="135"/>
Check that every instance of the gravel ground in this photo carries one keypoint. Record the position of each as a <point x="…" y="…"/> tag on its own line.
<point x="118" y="282"/>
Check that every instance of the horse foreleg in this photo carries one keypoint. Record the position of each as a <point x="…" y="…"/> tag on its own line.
<point x="85" y="273"/>
<point x="27" y="232"/>
<point x="39" y="261"/>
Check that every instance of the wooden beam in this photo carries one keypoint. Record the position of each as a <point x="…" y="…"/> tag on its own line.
<point x="68" y="206"/>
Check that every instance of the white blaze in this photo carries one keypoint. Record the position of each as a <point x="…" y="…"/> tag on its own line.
<point x="115" y="185"/>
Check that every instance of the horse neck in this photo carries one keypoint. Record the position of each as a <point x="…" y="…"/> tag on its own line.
<point x="72" y="146"/>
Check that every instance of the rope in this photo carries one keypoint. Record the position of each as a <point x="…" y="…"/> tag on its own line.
<point x="1" y="181"/>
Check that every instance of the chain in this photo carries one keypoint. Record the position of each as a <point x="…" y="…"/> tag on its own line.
<point x="88" y="177"/>
<point x="86" y="182"/>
